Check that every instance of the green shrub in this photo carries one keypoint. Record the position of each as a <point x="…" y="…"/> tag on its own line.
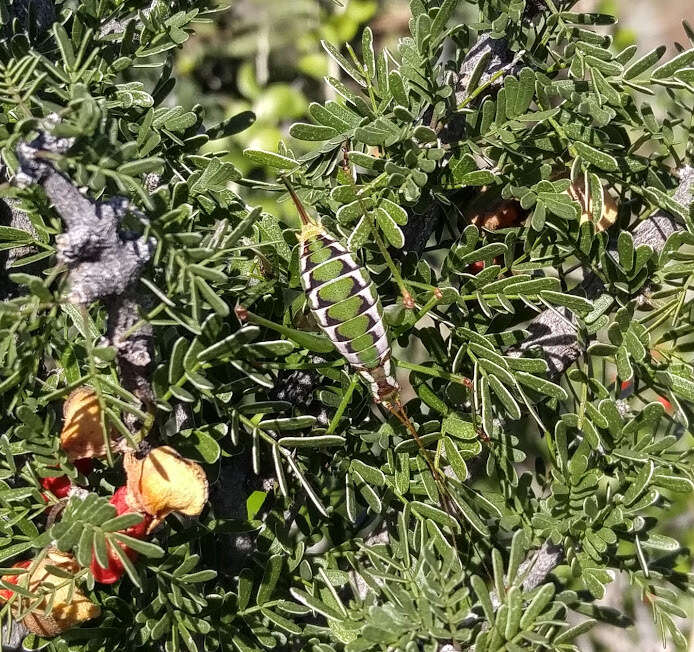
<point x="523" y="183"/>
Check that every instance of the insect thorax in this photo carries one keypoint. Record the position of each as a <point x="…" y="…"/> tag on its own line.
<point x="384" y="387"/>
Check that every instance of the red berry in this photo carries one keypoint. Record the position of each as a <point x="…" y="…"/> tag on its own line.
<point x="58" y="486"/>
<point x="115" y="569"/>
<point x="476" y="267"/>
<point x="120" y="501"/>
<point x="665" y="403"/>
<point x="6" y="594"/>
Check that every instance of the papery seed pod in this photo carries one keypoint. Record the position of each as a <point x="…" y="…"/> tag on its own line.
<point x="163" y="481"/>
<point x="500" y="216"/>
<point x="82" y="435"/>
<point x="69" y="606"/>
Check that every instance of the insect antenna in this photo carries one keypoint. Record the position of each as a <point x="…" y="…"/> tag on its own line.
<point x="306" y="219"/>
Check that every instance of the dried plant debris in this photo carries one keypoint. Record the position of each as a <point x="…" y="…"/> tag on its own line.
<point x="163" y="482"/>
<point x="64" y="606"/>
<point x="82" y="435"/>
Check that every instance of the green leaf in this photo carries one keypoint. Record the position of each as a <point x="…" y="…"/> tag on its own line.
<point x="541" y="385"/>
<point x="661" y="542"/>
<point x="367" y="51"/>
<point x="537" y="605"/>
<point x="122" y="522"/>
<point x="397" y="87"/>
<point x="397" y="213"/>
<point x="595" y="157"/>
<point x="370" y="474"/>
<point x="341" y="61"/>
<point x="360" y="234"/>
<point x="560" y="204"/>
<point x="477" y="178"/>
<point x="14" y="237"/>
<point x="425" y="134"/>
<point x="576" y="304"/>
<point x="313" y="603"/>
<point x="245" y="588"/>
<point x="270" y="159"/>
<point x="141" y="166"/>
<point x="230" y="343"/>
<point x="667" y="203"/>
<point x="243" y="226"/>
<point x="282" y="622"/>
<point x="458" y="427"/>
<point x="639" y="484"/>
<point x="471" y="515"/>
<point x="271" y="575"/>
<point x="390" y="229"/>
<point x="310" y="341"/>
<point x="304" y="131"/>
<point x="365" y="160"/>
<point x="67" y="52"/>
<point x="176" y="360"/>
<point x="455" y="459"/>
<point x="515" y="556"/>
<point x="288" y="423"/>
<point x="269" y="349"/>
<point x="515" y="611"/>
<point x="319" y="441"/>
<point x="233" y="125"/>
<point x="605" y="88"/>
<point x="682" y="60"/>
<point x="204" y="444"/>
<point x="575" y="631"/>
<point x="645" y="62"/>
<point x="482" y="593"/>
<point x="505" y="396"/>
<point x="146" y="548"/>
<point x="442" y="15"/>
<point x="681" y="386"/>
<point x="435" y="514"/>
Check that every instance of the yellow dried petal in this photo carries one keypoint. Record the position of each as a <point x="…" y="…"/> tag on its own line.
<point x="164" y="482"/>
<point x="82" y="435"/>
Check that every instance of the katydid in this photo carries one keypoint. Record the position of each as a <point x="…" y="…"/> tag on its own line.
<point x="346" y="306"/>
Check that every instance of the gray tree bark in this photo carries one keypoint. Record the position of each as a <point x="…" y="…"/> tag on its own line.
<point x="104" y="261"/>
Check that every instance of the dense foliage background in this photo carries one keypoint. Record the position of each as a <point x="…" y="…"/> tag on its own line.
<point x="570" y="466"/>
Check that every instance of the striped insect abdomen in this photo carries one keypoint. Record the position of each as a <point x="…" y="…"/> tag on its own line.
<point x="346" y="306"/>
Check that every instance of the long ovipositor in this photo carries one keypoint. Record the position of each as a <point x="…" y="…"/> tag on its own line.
<point x="345" y="304"/>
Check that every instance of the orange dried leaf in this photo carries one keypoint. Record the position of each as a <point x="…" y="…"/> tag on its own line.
<point x="163" y="482"/>
<point x="82" y="435"/>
